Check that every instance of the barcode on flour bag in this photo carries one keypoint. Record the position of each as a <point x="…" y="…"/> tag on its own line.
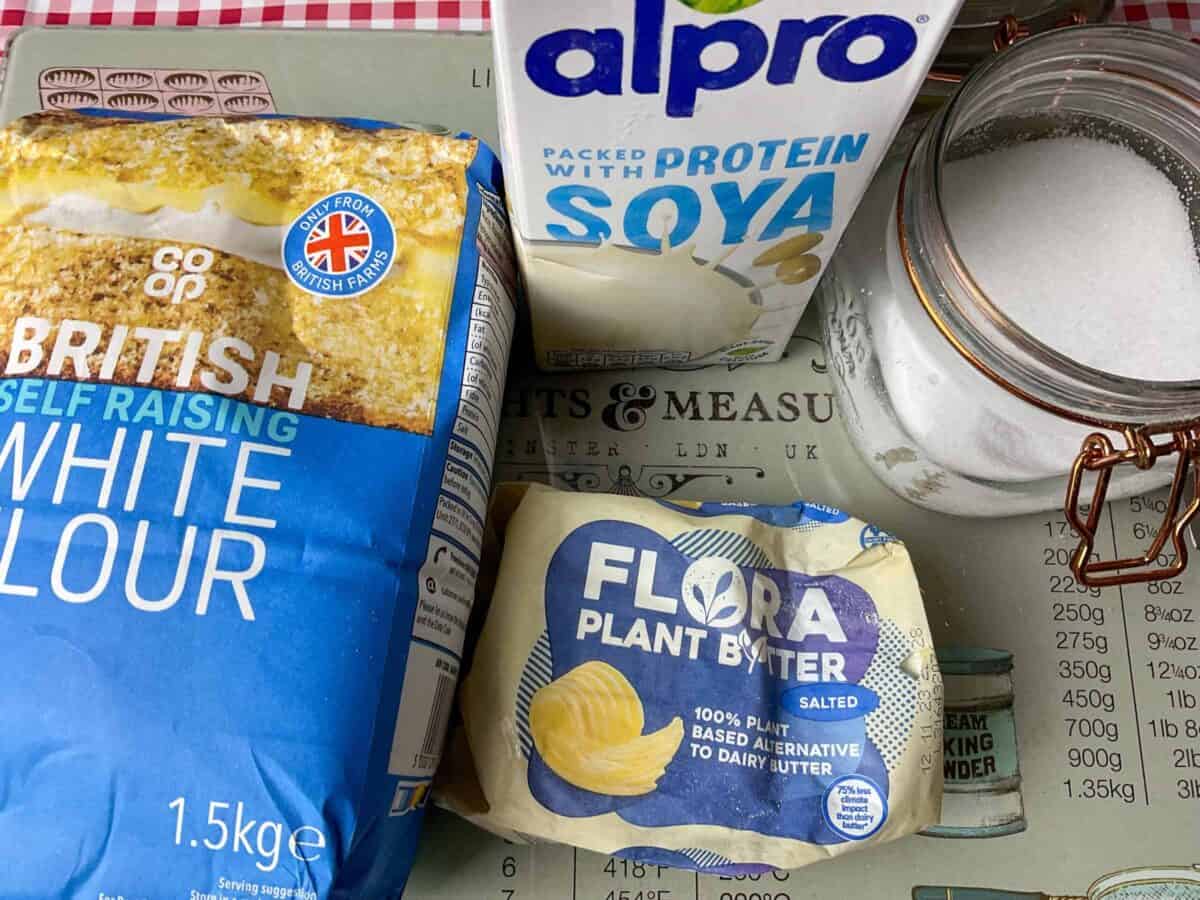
<point x="429" y="700"/>
<point x="439" y="716"/>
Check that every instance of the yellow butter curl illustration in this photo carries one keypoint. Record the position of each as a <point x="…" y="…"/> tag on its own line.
<point x="587" y="726"/>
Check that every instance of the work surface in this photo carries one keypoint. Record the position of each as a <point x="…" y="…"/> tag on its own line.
<point x="1107" y="683"/>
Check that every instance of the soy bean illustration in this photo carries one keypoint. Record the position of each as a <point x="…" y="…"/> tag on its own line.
<point x="798" y="269"/>
<point x="792" y="247"/>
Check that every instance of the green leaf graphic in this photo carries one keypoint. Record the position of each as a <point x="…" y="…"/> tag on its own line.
<point x="718" y="7"/>
<point x="723" y="584"/>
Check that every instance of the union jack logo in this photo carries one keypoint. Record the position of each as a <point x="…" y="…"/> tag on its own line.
<point x="341" y="246"/>
<point x="339" y="243"/>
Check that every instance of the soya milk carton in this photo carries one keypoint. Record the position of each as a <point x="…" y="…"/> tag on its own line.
<point x="680" y="170"/>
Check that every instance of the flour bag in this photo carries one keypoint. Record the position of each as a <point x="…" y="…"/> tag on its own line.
<point x="249" y="379"/>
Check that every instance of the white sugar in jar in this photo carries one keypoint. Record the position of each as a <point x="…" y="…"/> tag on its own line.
<point x="1023" y="273"/>
<point x="1061" y="233"/>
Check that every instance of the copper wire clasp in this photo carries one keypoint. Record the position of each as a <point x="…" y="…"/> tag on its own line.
<point x="1008" y="32"/>
<point x="1010" y="29"/>
<point x="1098" y="455"/>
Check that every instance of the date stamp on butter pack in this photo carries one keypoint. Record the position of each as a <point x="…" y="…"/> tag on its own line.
<point x="720" y="687"/>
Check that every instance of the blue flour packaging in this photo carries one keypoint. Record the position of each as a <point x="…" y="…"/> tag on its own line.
<point x="720" y="687"/>
<point x="251" y="372"/>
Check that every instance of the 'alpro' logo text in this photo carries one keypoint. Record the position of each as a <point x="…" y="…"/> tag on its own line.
<point x="846" y="48"/>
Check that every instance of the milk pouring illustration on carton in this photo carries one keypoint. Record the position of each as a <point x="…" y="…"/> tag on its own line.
<point x="680" y="170"/>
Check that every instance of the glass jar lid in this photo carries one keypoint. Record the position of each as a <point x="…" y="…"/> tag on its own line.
<point x="984" y="27"/>
<point x="978" y="13"/>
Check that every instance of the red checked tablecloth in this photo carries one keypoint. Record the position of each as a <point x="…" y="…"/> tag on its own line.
<point x="450" y="15"/>
<point x="1183" y="17"/>
<point x="454" y="15"/>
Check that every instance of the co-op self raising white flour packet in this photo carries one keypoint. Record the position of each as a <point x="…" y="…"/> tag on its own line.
<point x="721" y="687"/>
<point x="250" y="374"/>
<point x="679" y="170"/>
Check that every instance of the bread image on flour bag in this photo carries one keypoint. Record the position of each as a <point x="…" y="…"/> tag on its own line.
<point x="103" y="220"/>
<point x="721" y="687"/>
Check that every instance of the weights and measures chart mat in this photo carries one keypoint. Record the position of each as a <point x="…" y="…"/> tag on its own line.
<point x="1106" y="683"/>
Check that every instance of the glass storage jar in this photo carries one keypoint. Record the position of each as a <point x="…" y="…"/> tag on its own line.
<point x="985" y="27"/>
<point x="952" y="404"/>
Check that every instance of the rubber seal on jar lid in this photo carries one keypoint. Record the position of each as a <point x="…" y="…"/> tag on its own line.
<point x="973" y="661"/>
